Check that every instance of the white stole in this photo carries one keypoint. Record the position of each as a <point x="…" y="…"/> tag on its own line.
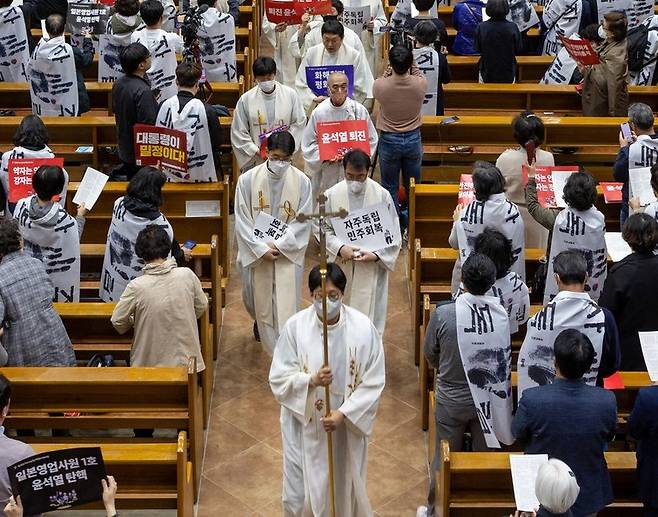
<point x="14" y="41"/>
<point x="57" y="246"/>
<point x="217" y="45"/>
<point x="282" y="271"/>
<point x="643" y="152"/>
<point x="567" y="24"/>
<point x="644" y="77"/>
<point x="53" y="82"/>
<point x="486" y="353"/>
<point x="568" y="310"/>
<point x="193" y="121"/>
<point x="584" y="231"/>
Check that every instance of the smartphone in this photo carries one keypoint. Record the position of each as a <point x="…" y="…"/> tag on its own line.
<point x="530" y="151"/>
<point x="189" y="245"/>
<point x="450" y="120"/>
<point x="626" y="132"/>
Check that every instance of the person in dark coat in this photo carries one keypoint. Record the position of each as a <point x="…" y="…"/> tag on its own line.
<point x="498" y="41"/>
<point x="571" y="421"/>
<point x="630" y="291"/>
<point x="643" y="426"/>
<point x="83" y="57"/>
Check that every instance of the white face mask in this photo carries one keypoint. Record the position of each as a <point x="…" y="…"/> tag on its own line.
<point x="602" y="33"/>
<point x="278" y="166"/>
<point x="356" y="187"/>
<point x="333" y="307"/>
<point x="267" y="86"/>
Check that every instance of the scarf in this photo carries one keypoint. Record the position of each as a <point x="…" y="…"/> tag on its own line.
<point x="217" y="44"/>
<point x="15" y="45"/>
<point x="427" y="60"/>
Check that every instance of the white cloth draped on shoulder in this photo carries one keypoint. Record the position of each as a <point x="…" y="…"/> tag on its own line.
<point x="217" y="45"/>
<point x="645" y="76"/>
<point x="562" y="18"/>
<point x="163" y="47"/>
<point x="299" y="47"/>
<point x="13" y="36"/>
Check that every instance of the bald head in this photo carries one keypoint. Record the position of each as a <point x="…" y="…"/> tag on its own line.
<point x="55" y="25"/>
<point x="337" y="86"/>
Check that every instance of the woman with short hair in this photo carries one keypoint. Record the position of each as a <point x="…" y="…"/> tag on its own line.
<point x="498" y="41"/>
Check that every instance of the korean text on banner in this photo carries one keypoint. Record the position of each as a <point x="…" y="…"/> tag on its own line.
<point x="278" y="11"/>
<point x="314" y="7"/>
<point x="370" y="228"/>
<point x="21" y="172"/>
<point x="581" y="51"/>
<point x="336" y="138"/>
<point x="269" y="229"/>
<point x="317" y="77"/>
<point x="611" y="191"/>
<point x="160" y="146"/>
<point x="466" y="190"/>
<point x="550" y="184"/>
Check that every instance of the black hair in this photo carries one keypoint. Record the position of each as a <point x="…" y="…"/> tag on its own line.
<point x="283" y="141"/>
<point x="358" y="159"/>
<point x="131" y="56"/>
<point x="424" y="5"/>
<point x="55" y="25"/>
<point x="10" y="236"/>
<point x="147" y="185"/>
<point x="5" y="392"/>
<point x="338" y="5"/>
<point x="617" y="24"/>
<point x="48" y="181"/>
<point x="263" y="66"/>
<point x="126" y="7"/>
<point x="209" y="3"/>
<point x="641" y="233"/>
<point x="487" y="180"/>
<point x="151" y="12"/>
<point x="497" y="10"/>
<point x="591" y="33"/>
<point x="574" y="353"/>
<point x="401" y="59"/>
<point x="152" y="243"/>
<point x="425" y="32"/>
<point x="188" y="74"/>
<point x="528" y="126"/>
<point x="333" y="27"/>
<point x="580" y="191"/>
<point x="335" y="275"/>
<point x="31" y="133"/>
<point x="570" y="266"/>
<point x="497" y="247"/>
<point x="478" y="273"/>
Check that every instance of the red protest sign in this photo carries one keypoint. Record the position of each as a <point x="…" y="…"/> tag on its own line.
<point x="20" y="176"/>
<point x="581" y="51"/>
<point x="546" y="191"/>
<point x="614" y="382"/>
<point x="611" y="191"/>
<point x="336" y="138"/>
<point x="315" y="7"/>
<point x="161" y="147"/>
<point x="278" y="11"/>
<point x="466" y="190"/>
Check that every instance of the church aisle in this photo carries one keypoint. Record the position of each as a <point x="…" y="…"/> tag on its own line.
<point x="242" y="470"/>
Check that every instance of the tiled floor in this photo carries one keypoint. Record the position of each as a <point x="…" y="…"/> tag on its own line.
<point x="243" y="461"/>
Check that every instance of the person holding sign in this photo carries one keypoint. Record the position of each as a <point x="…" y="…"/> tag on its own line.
<point x="372" y="217"/>
<point x="468" y="343"/>
<point x="652" y="208"/>
<point x="48" y="234"/>
<point x="632" y="287"/>
<point x="324" y="173"/>
<point x="588" y="412"/>
<point x="332" y="53"/>
<point x="267" y="108"/>
<point x="297" y="378"/>
<point x="271" y="241"/>
<point x="605" y="86"/>
<point x="279" y="35"/>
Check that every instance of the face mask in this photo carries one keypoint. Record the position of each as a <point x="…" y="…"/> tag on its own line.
<point x="266" y="86"/>
<point x="602" y="33"/>
<point x="356" y="187"/>
<point x="277" y="166"/>
<point x="333" y="308"/>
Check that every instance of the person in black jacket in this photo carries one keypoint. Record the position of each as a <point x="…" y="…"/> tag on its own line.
<point x="133" y="102"/>
<point x="424" y="7"/>
<point x="643" y="426"/>
<point x="83" y="58"/>
<point x="498" y="41"/>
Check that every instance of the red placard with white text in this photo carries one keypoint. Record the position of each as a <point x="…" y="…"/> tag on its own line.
<point x="282" y="11"/>
<point x="336" y="138"/>
<point x="611" y="191"/>
<point x="581" y="51"/>
<point x="466" y="190"/>
<point x="545" y="190"/>
<point x="315" y="7"/>
<point x="21" y="172"/>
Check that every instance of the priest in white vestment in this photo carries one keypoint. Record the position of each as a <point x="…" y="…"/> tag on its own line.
<point x="356" y="377"/>
<point x="371" y="36"/>
<point x="278" y="35"/>
<point x="267" y="108"/>
<point x="366" y="271"/>
<point x="325" y="174"/>
<point x="333" y="51"/>
<point x="271" y="242"/>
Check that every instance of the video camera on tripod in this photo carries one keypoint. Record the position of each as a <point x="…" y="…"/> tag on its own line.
<point x="190" y="32"/>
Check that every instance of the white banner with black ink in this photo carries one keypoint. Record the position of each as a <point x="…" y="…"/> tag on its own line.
<point x="356" y="18"/>
<point x="607" y="6"/>
<point x="486" y="353"/>
<point x="568" y="310"/>
<point x="53" y="83"/>
<point x="217" y="44"/>
<point x="109" y="49"/>
<point x="522" y="14"/>
<point x="14" y="52"/>
<point x="562" y="68"/>
<point x="427" y="60"/>
<point x="561" y="17"/>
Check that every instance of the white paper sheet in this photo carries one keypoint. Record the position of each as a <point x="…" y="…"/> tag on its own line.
<point x="356" y="17"/>
<point x="649" y="344"/>
<point x="206" y="208"/>
<point x="369" y="228"/>
<point x="640" y="185"/>
<point x="91" y="186"/>
<point x="270" y="229"/>
<point x="559" y="180"/>
<point x="524" y="474"/>
<point x="618" y="248"/>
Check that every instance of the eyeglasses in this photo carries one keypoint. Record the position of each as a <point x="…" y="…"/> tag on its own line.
<point x="338" y="88"/>
<point x="333" y="295"/>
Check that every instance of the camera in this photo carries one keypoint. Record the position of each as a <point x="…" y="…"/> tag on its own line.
<point x="189" y="31"/>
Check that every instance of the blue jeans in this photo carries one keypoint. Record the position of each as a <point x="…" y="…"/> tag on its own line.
<point x="399" y="152"/>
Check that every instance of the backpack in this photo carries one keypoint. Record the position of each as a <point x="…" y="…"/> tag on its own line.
<point x="638" y="38"/>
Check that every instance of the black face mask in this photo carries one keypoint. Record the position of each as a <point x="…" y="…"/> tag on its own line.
<point x="329" y="17"/>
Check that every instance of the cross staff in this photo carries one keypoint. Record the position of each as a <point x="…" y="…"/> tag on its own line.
<point x="321" y="216"/>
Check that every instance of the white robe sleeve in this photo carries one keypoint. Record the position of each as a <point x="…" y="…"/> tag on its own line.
<point x="363" y="80"/>
<point x="250" y="249"/>
<point x="293" y="245"/>
<point x="310" y="148"/>
<point x="333" y="242"/>
<point x="269" y="32"/>
<point x="297" y="120"/>
<point x="243" y="146"/>
<point x="388" y="256"/>
<point x="289" y="383"/>
<point x="304" y="93"/>
<point x="360" y="407"/>
<point x="296" y="46"/>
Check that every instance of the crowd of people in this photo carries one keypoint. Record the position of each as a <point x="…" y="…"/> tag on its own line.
<point x="592" y="312"/>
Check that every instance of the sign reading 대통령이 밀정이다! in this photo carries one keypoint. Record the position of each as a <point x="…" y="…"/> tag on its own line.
<point x="317" y="77"/>
<point x="58" y="479"/>
<point x="581" y="51"/>
<point x="370" y="228"/>
<point x="336" y="138"/>
<point x="160" y="146"/>
<point x="20" y="175"/>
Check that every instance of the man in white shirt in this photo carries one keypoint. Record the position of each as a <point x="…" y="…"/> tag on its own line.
<point x="163" y="46"/>
<point x="325" y="174"/>
<point x="371" y="34"/>
<point x="265" y="109"/>
<point x="333" y="51"/>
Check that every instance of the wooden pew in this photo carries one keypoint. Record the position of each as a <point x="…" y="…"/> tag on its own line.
<point x="530" y="69"/>
<point x="168" y="483"/>
<point x="109" y="398"/>
<point x="479" y="484"/>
